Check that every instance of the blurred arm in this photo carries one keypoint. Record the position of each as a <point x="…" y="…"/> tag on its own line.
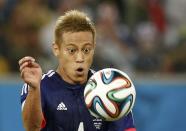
<point x="31" y="73"/>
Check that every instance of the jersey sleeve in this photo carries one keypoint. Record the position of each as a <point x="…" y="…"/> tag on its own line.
<point x="24" y="93"/>
<point x="124" y="124"/>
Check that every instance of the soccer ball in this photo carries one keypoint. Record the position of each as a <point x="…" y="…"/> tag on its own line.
<point x="109" y="94"/>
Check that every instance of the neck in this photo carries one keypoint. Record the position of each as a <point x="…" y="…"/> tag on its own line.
<point x="66" y="78"/>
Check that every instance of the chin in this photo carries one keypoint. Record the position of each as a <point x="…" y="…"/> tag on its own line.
<point x="80" y="80"/>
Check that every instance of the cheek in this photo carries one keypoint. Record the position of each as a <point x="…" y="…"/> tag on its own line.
<point x="90" y="59"/>
<point x="64" y="60"/>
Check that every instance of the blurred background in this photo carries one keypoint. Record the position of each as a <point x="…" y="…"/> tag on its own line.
<point x="144" y="38"/>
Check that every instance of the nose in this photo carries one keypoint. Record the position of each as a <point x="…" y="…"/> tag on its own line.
<point x="80" y="57"/>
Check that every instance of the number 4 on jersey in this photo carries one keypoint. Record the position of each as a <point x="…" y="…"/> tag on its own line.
<point x="81" y="126"/>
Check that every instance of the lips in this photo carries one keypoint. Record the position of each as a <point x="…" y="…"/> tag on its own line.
<point x="80" y="71"/>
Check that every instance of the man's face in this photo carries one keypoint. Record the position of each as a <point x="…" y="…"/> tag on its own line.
<point x="75" y="56"/>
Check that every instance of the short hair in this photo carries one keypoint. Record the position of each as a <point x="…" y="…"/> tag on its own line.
<point x="73" y="21"/>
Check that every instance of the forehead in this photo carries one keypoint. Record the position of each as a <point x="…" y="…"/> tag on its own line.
<point x="77" y="38"/>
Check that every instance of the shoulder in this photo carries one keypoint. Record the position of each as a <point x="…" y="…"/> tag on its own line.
<point x="123" y="124"/>
<point x="45" y="78"/>
<point x="48" y="75"/>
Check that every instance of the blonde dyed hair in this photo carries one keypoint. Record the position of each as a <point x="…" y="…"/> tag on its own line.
<point x="73" y="21"/>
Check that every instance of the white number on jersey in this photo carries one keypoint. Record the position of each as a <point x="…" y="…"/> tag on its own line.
<point x="81" y="126"/>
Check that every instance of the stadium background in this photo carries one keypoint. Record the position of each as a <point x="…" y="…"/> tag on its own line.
<point x="145" y="38"/>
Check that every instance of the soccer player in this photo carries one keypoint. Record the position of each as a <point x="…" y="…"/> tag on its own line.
<point x="54" y="101"/>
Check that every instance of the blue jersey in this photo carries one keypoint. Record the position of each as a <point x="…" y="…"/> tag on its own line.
<point x="64" y="108"/>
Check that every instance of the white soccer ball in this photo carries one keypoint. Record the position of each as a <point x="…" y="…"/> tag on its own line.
<point x="109" y="94"/>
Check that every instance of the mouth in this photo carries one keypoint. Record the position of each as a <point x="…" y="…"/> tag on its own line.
<point x="80" y="71"/>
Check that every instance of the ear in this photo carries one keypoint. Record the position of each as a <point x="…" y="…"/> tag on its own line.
<point x="55" y="49"/>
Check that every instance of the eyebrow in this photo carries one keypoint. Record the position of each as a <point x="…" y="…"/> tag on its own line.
<point x="86" y="44"/>
<point x="67" y="45"/>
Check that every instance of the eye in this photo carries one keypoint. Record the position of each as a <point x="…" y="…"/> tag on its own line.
<point x="86" y="50"/>
<point x="71" y="50"/>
